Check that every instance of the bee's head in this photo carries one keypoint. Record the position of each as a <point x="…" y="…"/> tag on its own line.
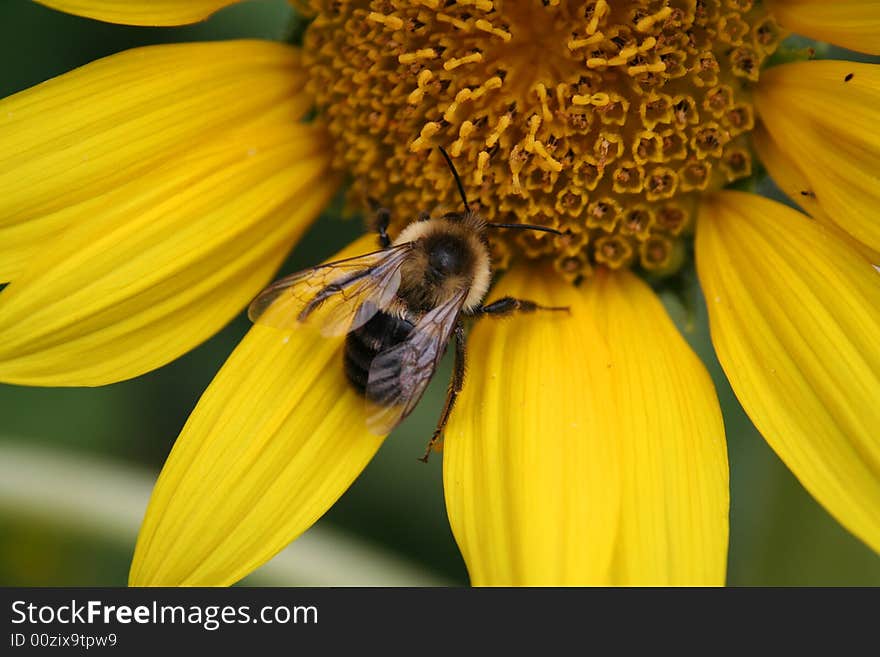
<point x="448" y="255"/>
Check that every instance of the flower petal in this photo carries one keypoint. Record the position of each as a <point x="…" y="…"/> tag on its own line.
<point x="795" y="316"/>
<point x="153" y="268"/>
<point x="554" y="408"/>
<point x="277" y="437"/>
<point x="673" y="456"/>
<point x="791" y="180"/>
<point x="854" y="24"/>
<point x="823" y="115"/>
<point x="530" y="470"/>
<point x="79" y="135"/>
<point x="141" y="12"/>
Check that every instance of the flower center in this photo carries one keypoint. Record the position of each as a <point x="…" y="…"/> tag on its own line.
<point x="604" y="119"/>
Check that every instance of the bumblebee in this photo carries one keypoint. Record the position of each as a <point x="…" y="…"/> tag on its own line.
<point x="399" y="307"/>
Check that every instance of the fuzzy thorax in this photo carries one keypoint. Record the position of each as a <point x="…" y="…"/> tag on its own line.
<point x="465" y="264"/>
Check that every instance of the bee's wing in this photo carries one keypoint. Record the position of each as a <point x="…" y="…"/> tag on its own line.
<point x="399" y="375"/>
<point x="337" y="296"/>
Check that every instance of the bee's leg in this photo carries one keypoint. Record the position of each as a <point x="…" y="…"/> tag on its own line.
<point x="455" y="386"/>
<point x="380" y="221"/>
<point x="506" y="306"/>
<point x="383" y="218"/>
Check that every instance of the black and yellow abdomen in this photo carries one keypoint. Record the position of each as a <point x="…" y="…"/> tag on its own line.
<point x="362" y="345"/>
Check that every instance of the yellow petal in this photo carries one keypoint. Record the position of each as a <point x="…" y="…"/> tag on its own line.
<point x="153" y="268"/>
<point x="277" y="437"/>
<point x="141" y="12"/>
<point x="669" y="430"/>
<point x="791" y="180"/>
<point x="823" y="115"/>
<point x="79" y="135"/>
<point x="530" y="470"/>
<point x="795" y="320"/>
<point x="589" y="437"/>
<point x="854" y="24"/>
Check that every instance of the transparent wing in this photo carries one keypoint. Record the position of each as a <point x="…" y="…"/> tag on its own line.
<point x="399" y="375"/>
<point x="336" y="297"/>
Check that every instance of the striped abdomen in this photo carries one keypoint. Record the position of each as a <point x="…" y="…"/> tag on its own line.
<point x="363" y="345"/>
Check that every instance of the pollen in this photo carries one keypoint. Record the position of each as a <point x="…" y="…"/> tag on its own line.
<point x="604" y="119"/>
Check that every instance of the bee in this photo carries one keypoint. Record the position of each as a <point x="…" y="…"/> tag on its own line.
<point x="399" y="307"/>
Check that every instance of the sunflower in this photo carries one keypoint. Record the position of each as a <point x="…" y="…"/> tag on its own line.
<point x="145" y="198"/>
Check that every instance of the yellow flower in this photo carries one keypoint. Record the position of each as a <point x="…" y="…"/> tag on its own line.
<point x="147" y="197"/>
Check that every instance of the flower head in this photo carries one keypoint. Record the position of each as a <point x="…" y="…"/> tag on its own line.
<point x="605" y="120"/>
<point x="584" y="449"/>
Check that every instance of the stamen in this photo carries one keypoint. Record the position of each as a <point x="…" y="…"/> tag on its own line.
<point x="502" y="125"/>
<point x="425" y="77"/>
<point x="452" y="64"/>
<point x="486" y="26"/>
<point x="424" y="139"/>
<point x="649" y="22"/>
<point x="541" y="90"/>
<point x="391" y="22"/>
<point x="452" y="20"/>
<point x="413" y="57"/>
<point x="482" y="5"/>
<point x="592" y="40"/>
<point x="482" y="161"/>
<point x="467" y="128"/>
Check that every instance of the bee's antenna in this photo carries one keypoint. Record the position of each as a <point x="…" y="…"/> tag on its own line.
<point x="457" y="178"/>
<point x="543" y="229"/>
<point x="467" y="207"/>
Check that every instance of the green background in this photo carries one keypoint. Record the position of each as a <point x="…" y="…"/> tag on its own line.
<point x="779" y="535"/>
